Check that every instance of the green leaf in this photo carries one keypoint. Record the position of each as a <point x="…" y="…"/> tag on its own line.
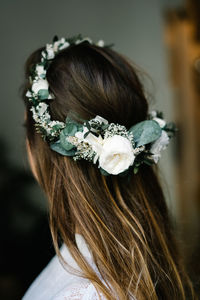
<point x="43" y="76"/>
<point x="104" y="126"/>
<point x="86" y="134"/>
<point x="124" y="173"/>
<point x="103" y="172"/>
<point x="110" y="45"/>
<point x="57" y="147"/>
<point x="160" y="114"/>
<point x="43" y="94"/>
<point x="70" y="129"/>
<point x="170" y="127"/>
<point x="135" y="170"/>
<point x="64" y="142"/>
<point x="145" y="132"/>
<point x="55" y="38"/>
<point x="69" y="121"/>
<point x="57" y="127"/>
<point x="88" y="125"/>
<point x="148" y="161"/>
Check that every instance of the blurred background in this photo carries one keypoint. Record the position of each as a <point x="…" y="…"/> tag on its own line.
<point x="162" y="37"/>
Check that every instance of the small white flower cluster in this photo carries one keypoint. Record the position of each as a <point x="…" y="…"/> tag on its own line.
<point x="116" y="129"/>
<point x="42" y="118"/>
<point x="52" y="49"/>
<point x="84" y="150"/>
<point x="40" y="88"/>
<point x="162" y="142"/>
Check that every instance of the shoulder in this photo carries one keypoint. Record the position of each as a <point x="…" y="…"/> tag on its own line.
<point x="83" y="290"/>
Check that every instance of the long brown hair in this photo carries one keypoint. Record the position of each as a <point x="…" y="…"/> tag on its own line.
<point x="125" y="222"/>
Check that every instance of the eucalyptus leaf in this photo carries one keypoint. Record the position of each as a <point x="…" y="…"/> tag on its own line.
<point x="43" y="76"/>
<point x="64" y="142"/>
<point x="43" y="94"/>
<point x="70" y="129"/>
<point x="69" y="121"/>
<point x="57" y="147"/>
<point x="145" y="132"/>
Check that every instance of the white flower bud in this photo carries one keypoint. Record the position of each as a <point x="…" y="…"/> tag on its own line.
<point x="100" y="43"/>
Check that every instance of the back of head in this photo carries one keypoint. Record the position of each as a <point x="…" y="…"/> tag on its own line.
<point x="124" y="222"/>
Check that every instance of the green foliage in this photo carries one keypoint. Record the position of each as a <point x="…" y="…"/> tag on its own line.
<point x="69" y="121"/>
<point x="43" y="94"/>
<point x="135" y="170"/>
<point x="59" y="149"/>
<point x="74" y="38"/>
<point x="64" y="142"/>
<point x="57" y="127"/>
<point x="103" y="172"/>
<point x="145" y="132"/>
<point x="70" y="129"/>
<point x="124" y="173"/>
<point x="170" y="127"/>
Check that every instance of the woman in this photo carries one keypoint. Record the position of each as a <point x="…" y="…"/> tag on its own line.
<point x="105" y="201"/>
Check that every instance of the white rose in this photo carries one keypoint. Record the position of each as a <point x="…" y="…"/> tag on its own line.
<point x="160" y="121"/>
<point x="41" y="84"/>
<point x="158" y="145"/>
<point x="116" y="155"/>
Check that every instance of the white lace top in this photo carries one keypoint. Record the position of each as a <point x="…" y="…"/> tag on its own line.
<point x="55" y="283"/>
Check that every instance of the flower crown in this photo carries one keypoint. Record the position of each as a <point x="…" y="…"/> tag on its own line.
<point x="117" y="149"/>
